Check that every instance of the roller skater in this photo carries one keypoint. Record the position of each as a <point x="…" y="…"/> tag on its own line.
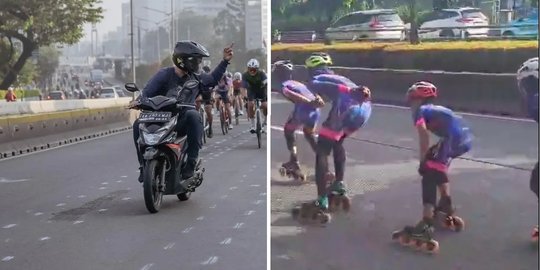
<point x="455" y="140"/>
<point x="527" y="80"/>
<point x="305" y="114"/>
<point x="351" y="109"/>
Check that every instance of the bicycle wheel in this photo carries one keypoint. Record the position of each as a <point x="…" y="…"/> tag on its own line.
<point x="222" y="121"/>
<point x="258" y="127"/>
<point x="203" y="120"/>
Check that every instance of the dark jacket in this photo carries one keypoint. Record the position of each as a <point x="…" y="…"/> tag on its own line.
<point x="166" y="83"/>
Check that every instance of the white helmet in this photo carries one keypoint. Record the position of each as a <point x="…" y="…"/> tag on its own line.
<point x="528" y="68"/>
<point x="253" y="63"/>
<point x="237" y="76"/>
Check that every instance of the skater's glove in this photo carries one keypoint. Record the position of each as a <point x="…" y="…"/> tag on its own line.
<point x="317" y="102"/>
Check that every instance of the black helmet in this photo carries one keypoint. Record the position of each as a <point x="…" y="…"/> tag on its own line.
<point x="206" y="69"/>
<point x="188" y="55"/>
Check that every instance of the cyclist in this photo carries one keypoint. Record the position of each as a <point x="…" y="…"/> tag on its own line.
<point x="527" y="80"/>
<point x="254" y="80"/>
<point x="238" y="103"/>
<point x="223" y="89"/>
<point x="208" y="102"/>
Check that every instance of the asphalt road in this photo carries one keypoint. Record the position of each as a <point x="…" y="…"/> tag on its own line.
<point x="81" y="207"/>
<point x="490" y="190"/>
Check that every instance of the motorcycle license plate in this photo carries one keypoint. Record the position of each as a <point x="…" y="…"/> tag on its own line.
<point x="161" y="117"/>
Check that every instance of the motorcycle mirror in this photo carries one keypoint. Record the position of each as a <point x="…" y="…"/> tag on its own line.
<point x="131" y="87"/>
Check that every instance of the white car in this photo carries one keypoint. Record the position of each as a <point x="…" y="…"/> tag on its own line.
<point x="108" y="92"/>
<point x="460" y="17"/>
<point x="367" y="24"/>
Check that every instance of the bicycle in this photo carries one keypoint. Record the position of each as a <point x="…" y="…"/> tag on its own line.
<point x="225" y="121"/>
<point x="204" y="122"/>
<point x="258" y="123"/>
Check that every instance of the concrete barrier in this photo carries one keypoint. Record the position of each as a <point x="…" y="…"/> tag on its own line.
<point x="471" y="92"/>
<point x="47" y="106"/>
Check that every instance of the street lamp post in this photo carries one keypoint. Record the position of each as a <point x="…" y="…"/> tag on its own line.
<point x="158" y="35"/>
<point x="171" y="34"/>
<point x="132" y="54"/>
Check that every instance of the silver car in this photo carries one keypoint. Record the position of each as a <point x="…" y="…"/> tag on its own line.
<point x="369" y="24"/>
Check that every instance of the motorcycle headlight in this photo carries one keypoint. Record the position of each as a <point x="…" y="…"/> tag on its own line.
<point x="153" y="138"/>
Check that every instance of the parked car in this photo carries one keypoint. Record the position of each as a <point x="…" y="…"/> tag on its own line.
<point x="108" y="92"/>
<point x="56" y="95"/>
<point x="447" y="18"/>
<point x="368" y="24"/>
<point x="523" y="27"/>
<point x="120" y="91"/>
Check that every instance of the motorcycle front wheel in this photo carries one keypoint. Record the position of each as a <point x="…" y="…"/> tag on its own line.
<point x="153" y="194"/>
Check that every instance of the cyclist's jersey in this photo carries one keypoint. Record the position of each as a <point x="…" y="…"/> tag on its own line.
<point x="298" y="88"/>
<point x="336" y="88"/>
<point x="223" y="86"/>
<point x="255" y="82"/>
<point x="441" y="121"/>
<point x="237" y="84"/>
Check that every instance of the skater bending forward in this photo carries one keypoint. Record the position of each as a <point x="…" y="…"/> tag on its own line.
<point x="527" y="80"/>
<point x="455" y="140"/>
<point x="306" y="112"/>
<point x="351" y="109"/>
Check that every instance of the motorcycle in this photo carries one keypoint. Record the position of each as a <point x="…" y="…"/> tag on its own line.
<point x="164" y="155"/>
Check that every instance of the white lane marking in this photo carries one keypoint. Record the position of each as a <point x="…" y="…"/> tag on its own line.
<point x="78" y="222"/>
<point x="254" y="166"/>
<point x="262" y="194"/>
<point x="226" y="241"/>
<point x="242" y="181"/>
<point x="244" y="176"/>
<point x="222" y="152"/>
<point x="105" y="183"/>
<point x="148" y="266"/>
<point x="200" y="218"/>
<point x="44" y="238"/>
<point x="169" y="246"/>
<point x="283" y="257"/>
<point x="60" y="204"/>
<point x="210" y="158"/>
<point x="4" y="180"/>
<point x="126" y="198"/>
<point x="224" y="196"/>
<point x="9" y="226"/>
<point x="238" y="225"/>
<point x="187" y="230"/>
<point x="81" y="196"/>
<point x="68" y="196"/>
<point x="255" y="185"/>
<point x="7" y="258"/>
<point x="125" y="176"/>
<point x="258" y="202"/>
<point x="102" y="188"/>
<point x="119" y="181"/>
<point x="213" y="206"/>
<point x="38" y="214"/>
<point x="248" y="213"/>
<point x="7" y="240"/>
<point x="102" y="210"/>
<point x="211" y="260"/>
<point x="233" y="188"/>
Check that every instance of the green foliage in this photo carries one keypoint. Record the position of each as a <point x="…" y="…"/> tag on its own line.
<point x="20" y="94"/>
<point x="38" y="23"/>
<point x="48" y="61"/>
<point x="26" y="75"/>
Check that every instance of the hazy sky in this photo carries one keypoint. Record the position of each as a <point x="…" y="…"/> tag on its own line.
<point x="112" y="18"/>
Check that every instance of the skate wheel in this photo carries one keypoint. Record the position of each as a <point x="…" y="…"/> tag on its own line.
<point x="419" y="244"/>
<point x="432" y="246"/>
<point x="346" y="203"/>
<point x="295" y="213"/>
<point x="458" y="224"/>
<point x="404" y="240"/>
<point x="282" y="171"/>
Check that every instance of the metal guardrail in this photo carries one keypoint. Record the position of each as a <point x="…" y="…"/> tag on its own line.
<point x="481" y="32"/>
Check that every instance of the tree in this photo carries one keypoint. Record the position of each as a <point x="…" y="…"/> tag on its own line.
<point x="38" y="23"/>
<point x="47" y="63"/>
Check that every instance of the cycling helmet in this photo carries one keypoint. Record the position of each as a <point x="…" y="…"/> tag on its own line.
<point x="282" y="70"/>
<point x="527" y="77"/>
<point x="228" y="75"/>
<point x="206" y="69"/>
<point x="422" y="90"/>
<point x="188" y="55"/>
<point x="318" y="59"/>
<point x="238" y="76"/>
<point x="253" y="64"/>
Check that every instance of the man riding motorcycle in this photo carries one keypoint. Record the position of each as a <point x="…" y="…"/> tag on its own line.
<point x="187" y="57"/>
